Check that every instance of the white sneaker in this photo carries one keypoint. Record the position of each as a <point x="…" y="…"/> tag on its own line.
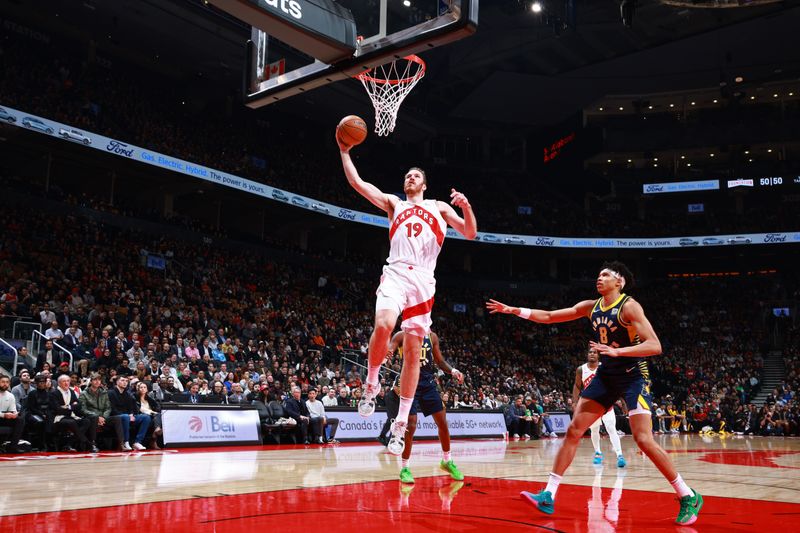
<point x="515" y="435"/>
<point x="366" y="405"/>
<point x="138" y="447"/>
<point x="126" y="447"/>
<point x="553" y="434"/>
<point x="397" y="443"/>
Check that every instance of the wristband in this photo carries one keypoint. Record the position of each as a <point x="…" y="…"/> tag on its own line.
<point x="525" y="313"/>
<point x="453" y="371"/>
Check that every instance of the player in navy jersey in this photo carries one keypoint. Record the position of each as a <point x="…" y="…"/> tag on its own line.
<point x="428" y="400"/>
<point x="624" y="338"/>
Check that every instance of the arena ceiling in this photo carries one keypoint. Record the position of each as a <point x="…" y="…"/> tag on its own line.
<point x="519" y="70"/>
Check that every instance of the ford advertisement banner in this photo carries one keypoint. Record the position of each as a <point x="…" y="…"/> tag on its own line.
<point x="129" y="151"/>
<point x="192" y="426"/>
<point x="680" y="186"/>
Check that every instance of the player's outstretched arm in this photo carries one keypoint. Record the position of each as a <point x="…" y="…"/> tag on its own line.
<point x="378" y="198"/>
<point x="466" y="226"/>
<point x="579" y="310"/>
<point x="650" y="345"/>
<point x="441" y="362"/>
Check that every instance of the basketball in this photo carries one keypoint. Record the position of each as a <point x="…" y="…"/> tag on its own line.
<point x="352" y="130"/>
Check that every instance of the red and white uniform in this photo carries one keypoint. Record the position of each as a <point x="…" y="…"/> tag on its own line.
<point x="416" y="235"/>
<point x="587" y="375"/>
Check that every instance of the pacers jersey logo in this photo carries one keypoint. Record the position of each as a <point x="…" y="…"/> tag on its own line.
<point x="609" y="325"/>
<point x="603" y="326"/>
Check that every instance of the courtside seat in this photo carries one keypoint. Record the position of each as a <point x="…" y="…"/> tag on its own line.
<point x="269" y="425"/>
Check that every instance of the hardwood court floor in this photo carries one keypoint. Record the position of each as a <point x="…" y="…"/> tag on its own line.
<point x="749" y="484"/>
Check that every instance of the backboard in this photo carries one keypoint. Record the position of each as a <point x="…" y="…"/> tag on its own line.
<point x="299" y="45"/>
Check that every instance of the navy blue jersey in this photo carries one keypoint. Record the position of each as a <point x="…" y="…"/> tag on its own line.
<point x="610" y="330"/>
<point x="427" y="368"/>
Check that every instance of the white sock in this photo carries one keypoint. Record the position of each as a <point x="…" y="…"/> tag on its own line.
<point x="614" y="438"/>
<point x="405" y="408"/>
<point x="681" y="487"/>
<point x="405" y="462"/>
<point x="552" y="484"/>
<point x="445" y="456"/>
<point x="595" y="433"/>
<point x="373" y="376"/>
<point x="610" y="421"/>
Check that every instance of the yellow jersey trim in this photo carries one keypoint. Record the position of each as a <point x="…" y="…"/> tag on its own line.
<point x="642" y="403"/>
<point x="604" y="309"/>
<point x="623" y="323"/>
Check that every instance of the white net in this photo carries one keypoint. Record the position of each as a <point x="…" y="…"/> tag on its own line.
<point x="388" y="85"/>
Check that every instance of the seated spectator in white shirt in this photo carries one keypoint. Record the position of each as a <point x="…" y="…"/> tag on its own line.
<point x="9" y="416"/>
<point x="54" y="333"/>
<point x="330" y="400"/>
<point x="46" y="315"/>
<point x="320" y="421"/>
<point x="135" y="354"/>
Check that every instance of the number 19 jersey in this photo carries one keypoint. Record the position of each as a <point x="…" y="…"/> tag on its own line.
<point x="416" y="234"/>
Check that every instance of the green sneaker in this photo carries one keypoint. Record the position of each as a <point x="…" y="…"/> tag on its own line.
<point x="451" y="468"/>
<point x="690" y="508"/>
<point x="405" y="475"/>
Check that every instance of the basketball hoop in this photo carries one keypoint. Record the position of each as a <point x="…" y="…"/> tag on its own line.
<point x="388" y="85"/>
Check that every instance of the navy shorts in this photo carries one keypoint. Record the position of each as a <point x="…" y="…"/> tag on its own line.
<point x="635" y="390"/>
<point x="427" y="399"/>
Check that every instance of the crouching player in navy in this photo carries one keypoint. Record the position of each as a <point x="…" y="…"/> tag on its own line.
<point x="428" y="400"/>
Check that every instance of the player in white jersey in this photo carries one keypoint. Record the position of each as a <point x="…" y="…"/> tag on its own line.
<point x="583" y="376"/>
<point x="417" y="228"/>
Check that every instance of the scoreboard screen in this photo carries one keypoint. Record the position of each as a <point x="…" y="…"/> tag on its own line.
<point x="766" y="182"/>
